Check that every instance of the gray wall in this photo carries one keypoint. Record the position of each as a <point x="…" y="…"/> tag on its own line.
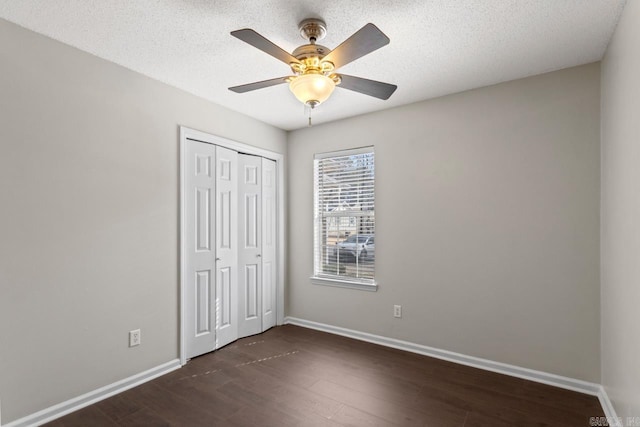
<point x="488" y="220"/>
<point x="487" y="223"/>
<point x="89" y="219"/>
<point x="621" y="215"/>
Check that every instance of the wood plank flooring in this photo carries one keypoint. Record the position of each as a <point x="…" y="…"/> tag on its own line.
<point x="293" y="376"/>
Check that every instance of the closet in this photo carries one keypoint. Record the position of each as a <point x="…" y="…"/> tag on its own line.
<point x="229" y="246"/>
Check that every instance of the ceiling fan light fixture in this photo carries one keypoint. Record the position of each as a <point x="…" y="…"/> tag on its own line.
<point x="312" y="89"/>
<point x="313" y="66"/>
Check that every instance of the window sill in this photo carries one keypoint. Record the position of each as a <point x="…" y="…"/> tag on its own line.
<point x="371" y="287"/>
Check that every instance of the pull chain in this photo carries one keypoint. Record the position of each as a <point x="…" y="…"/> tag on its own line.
<point x="308" y="109"/>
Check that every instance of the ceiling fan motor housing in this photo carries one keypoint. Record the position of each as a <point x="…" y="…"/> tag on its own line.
<point x="310" y="62"/>
<point x="310" y="50"/>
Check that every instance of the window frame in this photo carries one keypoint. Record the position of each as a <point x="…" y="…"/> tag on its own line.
<point x="329" y="279"/>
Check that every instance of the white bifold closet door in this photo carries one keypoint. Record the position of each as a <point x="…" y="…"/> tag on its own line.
<point x="257" y="251"/>
<point x="269" y="265"/>
<point x="230" y="217"/>
<point x="226" y="220"/>
<point x="199" y="193"/>
<point x="250" y="250"/>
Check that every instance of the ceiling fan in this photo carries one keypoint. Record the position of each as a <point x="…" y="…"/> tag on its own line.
<point x="314" y="66"/>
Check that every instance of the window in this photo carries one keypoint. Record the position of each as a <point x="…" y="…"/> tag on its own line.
<point x="344" y="211"/>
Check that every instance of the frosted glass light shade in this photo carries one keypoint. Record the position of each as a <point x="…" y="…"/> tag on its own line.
<point x="312" y="88"/>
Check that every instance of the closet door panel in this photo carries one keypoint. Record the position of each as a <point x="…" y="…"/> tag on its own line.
<point x="226" y="262"/>
<point x="249" y="253"/>
<point x="269" y="229"/>
<point x="199" y="190"/>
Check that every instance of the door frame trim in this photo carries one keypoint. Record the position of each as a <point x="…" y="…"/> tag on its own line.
<point x="196" y="135"/>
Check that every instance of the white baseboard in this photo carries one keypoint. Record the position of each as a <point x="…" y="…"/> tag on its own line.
<point x="463" y="359"/>
<point x="57" y="411"/>
<point x="609" y="410"/>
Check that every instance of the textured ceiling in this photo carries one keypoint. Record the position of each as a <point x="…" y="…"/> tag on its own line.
<point x="437" y="47"/>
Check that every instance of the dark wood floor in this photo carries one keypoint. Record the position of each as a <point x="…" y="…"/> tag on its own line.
<point x="292" y="376"/>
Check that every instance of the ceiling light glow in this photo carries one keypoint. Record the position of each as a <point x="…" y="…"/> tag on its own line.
<point x="312" y="89"/>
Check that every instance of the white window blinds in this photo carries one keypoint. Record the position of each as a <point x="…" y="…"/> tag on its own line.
<point x="344" y="196"/>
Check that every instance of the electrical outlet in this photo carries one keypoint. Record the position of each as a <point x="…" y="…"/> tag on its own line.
<point x="134" y="338"/>
<point x="397" y="311"/>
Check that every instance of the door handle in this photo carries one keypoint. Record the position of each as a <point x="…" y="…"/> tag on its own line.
<point x="258" y="256"/>
<point x="218" y="259"/>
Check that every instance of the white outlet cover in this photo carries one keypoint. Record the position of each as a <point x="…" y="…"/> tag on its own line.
<point x="134" y="338"/>
<point x="397" y="311"/>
